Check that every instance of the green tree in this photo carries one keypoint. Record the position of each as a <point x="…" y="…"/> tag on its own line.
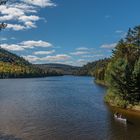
<point x="123" y="72"/>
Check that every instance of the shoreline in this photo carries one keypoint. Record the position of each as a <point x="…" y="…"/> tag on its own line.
<point x="125" y="112"/>
<point x="130" y="108"/>
<point x="101" y="82"/>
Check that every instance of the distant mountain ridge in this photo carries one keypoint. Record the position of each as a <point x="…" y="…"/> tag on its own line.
<point x="14" y="66"/>
<point x="62" y="68"/>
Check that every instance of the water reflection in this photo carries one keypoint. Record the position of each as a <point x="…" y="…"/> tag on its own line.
<point x="8" y="137"/>
<point x="124" y="130"/>
<point x="60" y="108"/>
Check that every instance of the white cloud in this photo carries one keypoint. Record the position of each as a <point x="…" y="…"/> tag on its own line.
<point x="22" y="12"/>
<point x="41" y="3"/>
<point x="4" y="38"/>
<point x="11" y="11"/>
<point x="85" y="52"/>
<point x="81" y="62"/>
<point x="26" y="7"/>
<point x="30" y="24"/>
<point x="108" y="46"/>
<point x="25" y="18"/>
<point x="44" y="52"/>
<point x="12" y="47"/>
<point x="31" y="44"/>
<point x="92" y="56"/>
<point x="6" y="17"/>
<point x="15" y="27"/>
<point x="79" y="53"/>
<point x="31" y="58"/>
<point x="55" y="58"/>
<point x="82" y="49"/>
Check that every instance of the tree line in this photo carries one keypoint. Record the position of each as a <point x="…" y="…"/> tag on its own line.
<point x="13" y="66"/>
<point x="121" y="72"/>
<point x="96" y="69"/>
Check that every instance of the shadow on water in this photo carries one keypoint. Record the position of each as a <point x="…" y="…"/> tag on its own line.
<point x="131" y="116"/>
<point x="8" y="137"/>
<point x="130" y="122"/>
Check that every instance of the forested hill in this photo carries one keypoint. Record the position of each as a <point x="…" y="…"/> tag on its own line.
<point x="13" y="66"/>
<point x="61" y="68"/>
<point x="8" y="57"/>
<point x="121" y="72"/>
<point x="95" y="68"/>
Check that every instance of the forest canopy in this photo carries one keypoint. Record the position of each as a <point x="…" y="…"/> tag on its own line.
<point x="123" y="71"/>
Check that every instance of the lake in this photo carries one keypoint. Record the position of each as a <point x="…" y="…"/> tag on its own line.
<point x="60" y="108"/>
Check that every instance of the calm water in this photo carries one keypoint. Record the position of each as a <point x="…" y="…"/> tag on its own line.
<point x="60" y="108"/>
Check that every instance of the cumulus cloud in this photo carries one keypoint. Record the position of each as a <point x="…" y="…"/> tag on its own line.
<point x="58" y="57"/>
<point x="93" y="56"/>
<point x="30" y="24"/>
<point x="82" y="62"/>
<point x="15" y="27"/>
<point x="5" y="38"/>
<point x="108" y="46"/>
<point x="86" y="52"/>
<point x="44" y="52"/>
<point x="82" y="49"/>
<point x="42" y="3"/>
<point x="31" y="44"/>
<point x="54" y="58"/>
<point x="12" y="47"/>
<point x="23" y="13"/>
<point x="79" y="53"/>
<point x="31" y="58"/>
<point x="25" y="18"/>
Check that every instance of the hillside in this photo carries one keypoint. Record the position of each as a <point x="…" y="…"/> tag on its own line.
<point x="8" y="57"/>
<point x="95" y="68"/>
<point x="13" y="66"/>
<point x="61" y="68"/>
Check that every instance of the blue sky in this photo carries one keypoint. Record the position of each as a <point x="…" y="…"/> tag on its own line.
<point x="66" y="31"/>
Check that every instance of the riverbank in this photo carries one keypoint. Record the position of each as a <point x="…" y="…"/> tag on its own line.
<point x="133" y="108"/>
<point x="125" y="112"/>
<point x="101" y="82"/>
<point x="114" y="101"/>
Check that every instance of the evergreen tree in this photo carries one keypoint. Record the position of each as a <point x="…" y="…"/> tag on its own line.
<point x="123" y="72"/>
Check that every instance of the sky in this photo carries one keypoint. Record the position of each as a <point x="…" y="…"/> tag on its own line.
<point x="72" y="32"/>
